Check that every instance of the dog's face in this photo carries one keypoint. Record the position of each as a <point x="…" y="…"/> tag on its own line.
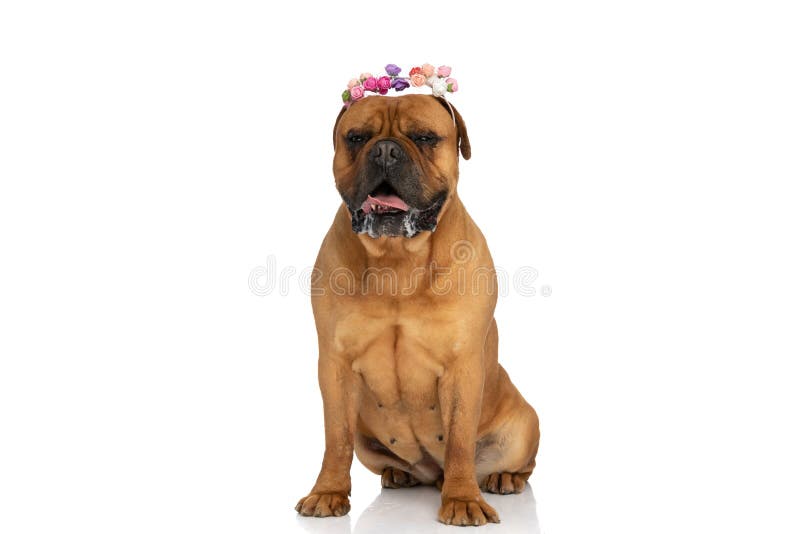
<point x="396" y="162"/>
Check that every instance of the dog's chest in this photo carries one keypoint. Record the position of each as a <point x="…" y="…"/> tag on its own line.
<point x="399" y="397"/>
<point x="398" y="370"/>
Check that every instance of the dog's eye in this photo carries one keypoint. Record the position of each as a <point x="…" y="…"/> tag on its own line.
<point x="356" y="138"/>
<point x="424" y="139"/>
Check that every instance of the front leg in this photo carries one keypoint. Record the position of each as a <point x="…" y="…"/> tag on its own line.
<point x="460" y="397"/>
<point x="329" y="496"/>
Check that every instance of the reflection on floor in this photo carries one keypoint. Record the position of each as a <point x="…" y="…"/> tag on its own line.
<point x="414" y="510"/>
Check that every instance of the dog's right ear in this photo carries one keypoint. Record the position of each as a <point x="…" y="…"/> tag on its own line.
<point x="336" y="125"/>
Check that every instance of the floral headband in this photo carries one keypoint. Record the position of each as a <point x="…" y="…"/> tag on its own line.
<point x="438" y="79"/>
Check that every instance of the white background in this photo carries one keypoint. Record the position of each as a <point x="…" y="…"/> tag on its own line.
<point x="642" y="156"/>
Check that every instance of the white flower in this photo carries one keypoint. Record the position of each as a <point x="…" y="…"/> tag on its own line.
<point x="439" y="87"/>
<point x="431" y="80"/>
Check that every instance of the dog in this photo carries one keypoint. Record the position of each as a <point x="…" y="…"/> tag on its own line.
<point x="409" y="374"/>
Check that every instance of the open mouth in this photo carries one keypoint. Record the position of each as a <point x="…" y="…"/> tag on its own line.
<point x="384" y="213"/>
<point x="384" y="200"/>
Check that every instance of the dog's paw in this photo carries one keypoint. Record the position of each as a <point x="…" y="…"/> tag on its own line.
<point x="467" y="512"/>
<point x="324" y="504"/>
<point x="504" y="483"/>
<point x="397" y="478"/>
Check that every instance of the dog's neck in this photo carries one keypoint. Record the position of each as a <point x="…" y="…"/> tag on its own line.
<point x="428" y="262"/>
<point x="418" y="251"/>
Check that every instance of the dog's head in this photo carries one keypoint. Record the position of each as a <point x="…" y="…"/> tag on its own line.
<point x="396" y="162"/>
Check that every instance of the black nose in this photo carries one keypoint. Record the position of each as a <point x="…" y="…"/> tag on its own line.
<point x="385" y="153"/>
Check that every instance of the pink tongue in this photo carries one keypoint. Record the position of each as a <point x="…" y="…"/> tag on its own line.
<point x="383" y="203"/>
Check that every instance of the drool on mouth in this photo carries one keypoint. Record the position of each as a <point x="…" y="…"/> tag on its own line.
<point x="384" y="213"/>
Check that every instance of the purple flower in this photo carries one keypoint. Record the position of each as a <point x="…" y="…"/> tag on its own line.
<point x="392" y="69"/>
<point x="398" y="84"/>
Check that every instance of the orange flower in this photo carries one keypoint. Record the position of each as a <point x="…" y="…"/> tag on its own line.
<point x="418" y="80"/>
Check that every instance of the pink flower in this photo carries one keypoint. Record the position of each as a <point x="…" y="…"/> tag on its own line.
<point x="364" y="76"/>
<point x="443" y="71"/>
<point x="418" y="80"/>
<point x="452" y="85"/>
<point x="356" y="92"/>
<point x="384" y="83"/>
<point x="370" y="84"/>
<point x="352" y="83"/>
<point x="428" y="70"/>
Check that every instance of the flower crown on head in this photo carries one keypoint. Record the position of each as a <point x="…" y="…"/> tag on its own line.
<point x="438" y="79"/>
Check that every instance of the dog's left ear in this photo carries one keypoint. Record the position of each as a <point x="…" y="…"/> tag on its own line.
<point x="461" y="127"/>
<point x="336" y="124"/>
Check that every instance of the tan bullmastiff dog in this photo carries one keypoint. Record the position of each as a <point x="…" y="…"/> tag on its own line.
<point x="403" y="295"/>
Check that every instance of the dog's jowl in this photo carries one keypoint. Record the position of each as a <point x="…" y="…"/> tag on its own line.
<point x="404" y="308"/>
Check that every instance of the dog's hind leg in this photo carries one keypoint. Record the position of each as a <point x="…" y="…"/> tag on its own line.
<point x="505" y="461"/>
<point x="394" y="471"/>
<point x="397" y="478"/>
